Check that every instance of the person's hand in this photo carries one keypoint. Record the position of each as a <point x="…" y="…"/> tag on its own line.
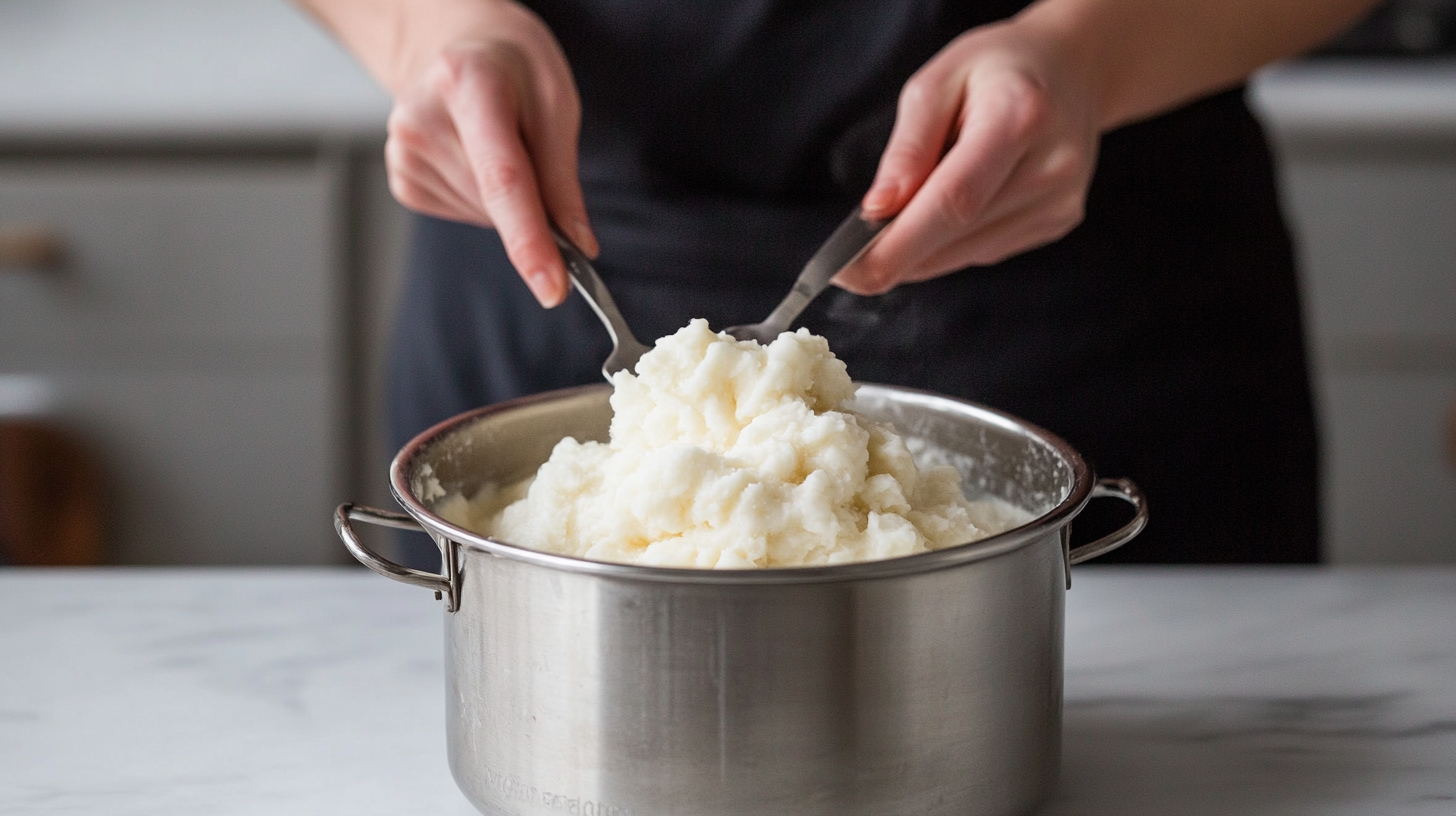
<point x="484" y="130"/>
<point x="993" y="148"/>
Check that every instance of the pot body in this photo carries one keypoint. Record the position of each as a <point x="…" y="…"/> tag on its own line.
<point x="929" y="693"/>
<point x="923" y="685"/>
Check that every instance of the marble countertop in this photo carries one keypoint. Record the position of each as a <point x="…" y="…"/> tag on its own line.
<point x="107" y="70"/>
<point x="1190" y="692"/>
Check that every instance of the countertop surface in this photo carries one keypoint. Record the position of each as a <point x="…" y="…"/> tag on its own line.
<point x="107" y="70"/>
<point x="1190" y="691"/>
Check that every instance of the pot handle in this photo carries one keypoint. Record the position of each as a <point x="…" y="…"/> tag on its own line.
<point x="1120" y="489"/>
<point x="446" y="586"/>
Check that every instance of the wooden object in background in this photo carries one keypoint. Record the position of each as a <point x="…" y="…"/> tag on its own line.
<point x="199" y="326"/>
<point x="31" y="246"/>
<point x="51" y="506"/>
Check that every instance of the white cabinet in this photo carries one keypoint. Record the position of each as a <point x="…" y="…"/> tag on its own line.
<point x="1391" y="485"/>
<point x="214" y="173"/>
<point x="1375" y="223"/>
<point x="195" y="337"/>
<point x="1367" y="152"/>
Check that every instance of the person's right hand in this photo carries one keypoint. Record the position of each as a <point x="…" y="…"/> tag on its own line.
<point x="484" y="130"/>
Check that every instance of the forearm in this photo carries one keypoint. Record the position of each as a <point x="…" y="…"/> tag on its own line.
<point x="1141" y="57"/>
<point x="394" y="39"/>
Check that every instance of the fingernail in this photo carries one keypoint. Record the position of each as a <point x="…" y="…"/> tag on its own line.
<point x="543" y="285"/>
<point x="879" y="198"/>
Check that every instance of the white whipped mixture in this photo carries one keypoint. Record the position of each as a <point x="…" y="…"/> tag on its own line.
<point x="731" y="455"/>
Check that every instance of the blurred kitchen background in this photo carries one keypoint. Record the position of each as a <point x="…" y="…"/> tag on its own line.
<point x="198" y="257"/>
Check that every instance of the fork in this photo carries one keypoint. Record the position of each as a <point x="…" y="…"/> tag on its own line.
<point x="848" y="241"/>
<point x="626" y="348"/>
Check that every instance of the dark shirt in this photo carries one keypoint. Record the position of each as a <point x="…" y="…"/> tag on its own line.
<point x="721" y="142"/>
<point x="724" y="139"/>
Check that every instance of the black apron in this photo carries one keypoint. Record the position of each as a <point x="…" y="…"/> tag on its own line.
<point x="721" y="143"/>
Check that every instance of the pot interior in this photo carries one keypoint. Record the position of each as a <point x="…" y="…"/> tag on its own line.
<point x="996" y="454"/>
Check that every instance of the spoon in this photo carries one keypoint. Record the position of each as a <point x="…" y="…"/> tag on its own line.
<point x="626" y="349"/>
<point x="848" y="241"/>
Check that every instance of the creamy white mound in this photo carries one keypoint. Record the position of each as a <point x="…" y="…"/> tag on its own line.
<point x="732" y="455"/>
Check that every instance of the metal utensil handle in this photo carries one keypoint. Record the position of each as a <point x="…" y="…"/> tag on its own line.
<point x="584" y="277"/>
<point x="1120" y="489"/>
<point x="848" y="241"/>
<point x="446" y="586"/>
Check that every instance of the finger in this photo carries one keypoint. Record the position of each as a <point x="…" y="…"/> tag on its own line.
<point x="415" y="182"/>
<point x="485" y="108"/>
<point x="1039" y="223"/>
<point x="924" y="118"/>
<point x="1042" y="175"/>
<point x="1001" y="120"/>
<point x="550" y="127"/>
<point x="423" y="198"/>
<point x="423" y="140"/>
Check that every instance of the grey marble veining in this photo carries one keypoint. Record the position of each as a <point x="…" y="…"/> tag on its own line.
<point x="281" y="692"/>
<point x="1190" y="691"/>
<point x="1260" y="691"/>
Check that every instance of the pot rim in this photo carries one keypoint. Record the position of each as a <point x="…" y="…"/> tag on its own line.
<point x="1015" y="538"/>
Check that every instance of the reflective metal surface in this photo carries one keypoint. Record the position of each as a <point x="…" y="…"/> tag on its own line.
<point x="626" y="348"/>
<point x="848" y="241"/>
<point x="1116" y="489"/>
<point x="445" y="585"/>
<point x="929" y="684"/>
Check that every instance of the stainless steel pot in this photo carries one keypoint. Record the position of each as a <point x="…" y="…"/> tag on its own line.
<point x="930" y="684"/>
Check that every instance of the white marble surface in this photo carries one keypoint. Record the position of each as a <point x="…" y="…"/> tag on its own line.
<point x="1190" y="691"/>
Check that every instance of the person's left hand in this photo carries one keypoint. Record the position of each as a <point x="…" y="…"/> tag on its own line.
<point x="993" y="148"/>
